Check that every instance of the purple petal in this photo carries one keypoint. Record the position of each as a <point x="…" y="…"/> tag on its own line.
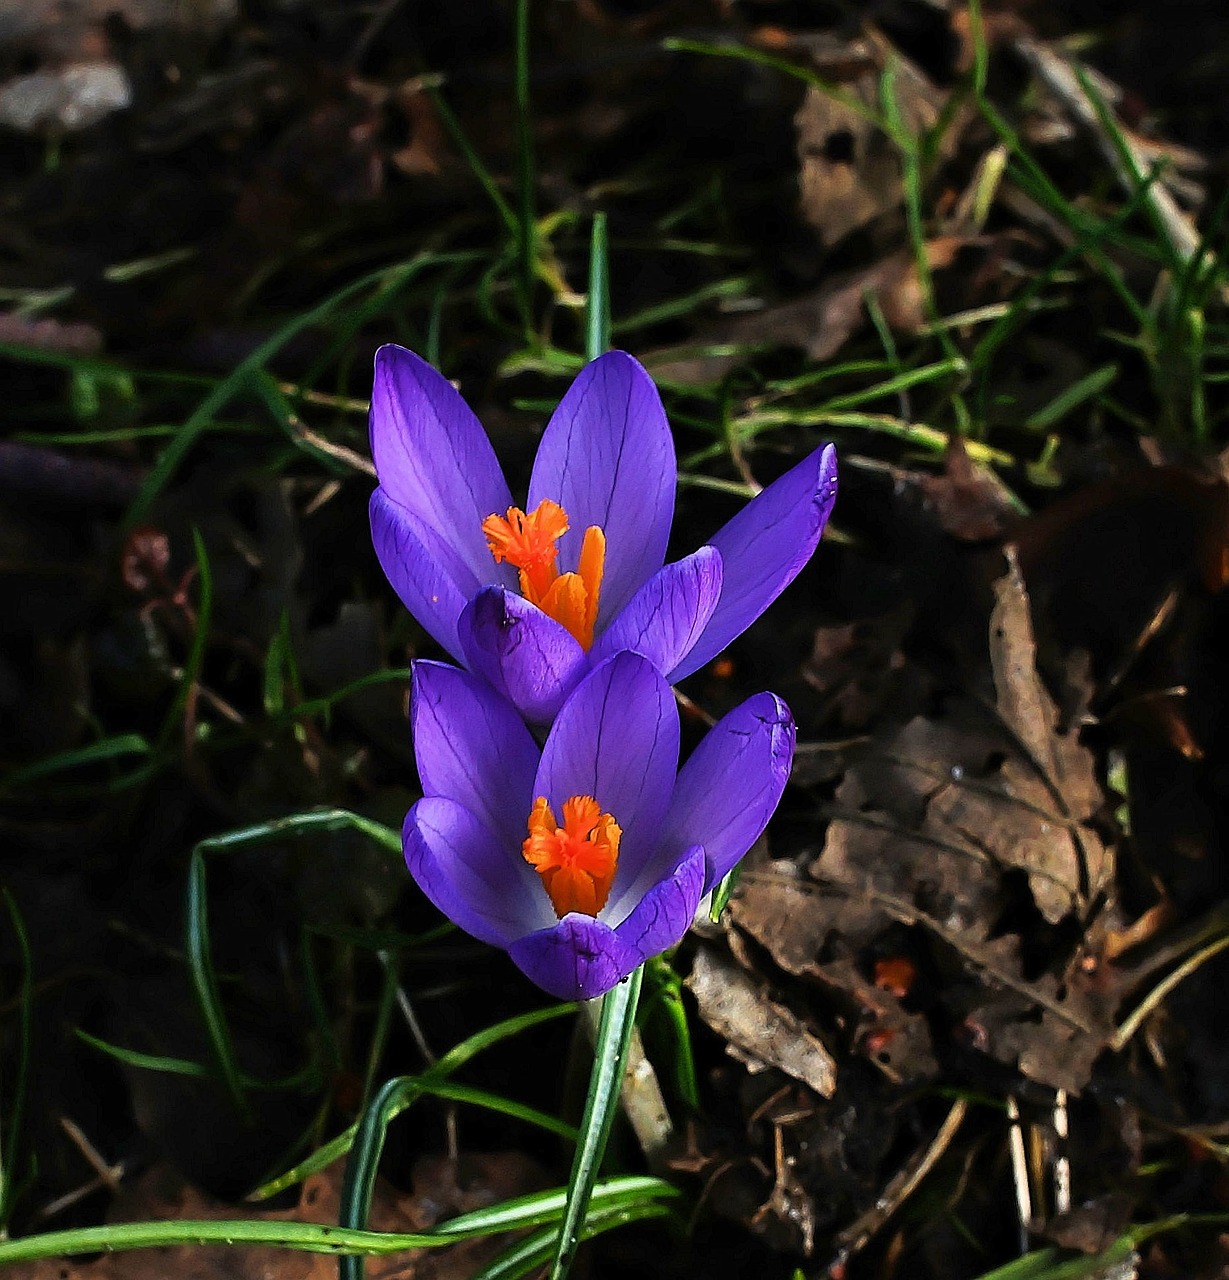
<point x="425" y="572"/>
<point x="665" y="912"/>
<point x="729" y="788"/>
<point x="526" y="656"/>
<point x="434" y="459"/>
<point x="578" y="959"/>
<point x="763" y="548"/>
<point x="472" y="747"/>
<point x="477" y="881"/>
<point x="607" y="457"/>
<point x="666" y="617"/>
<point x="616" y="738"/>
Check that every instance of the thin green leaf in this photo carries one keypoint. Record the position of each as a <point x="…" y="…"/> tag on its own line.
<point x="614" y="1035"/>
<point x="123" y="744"/>
<point x="597" y="312"/>
<point x="524" y="1212"/>
<point x="526" y="181"/>
<point x="426" y="1082"/>
<point x="1087" y="388"/>
<point x="12" y="1136"/>
<point x="204" y="983"/>
<point x="384" y="281"/>
<point x="535" y="1250"/>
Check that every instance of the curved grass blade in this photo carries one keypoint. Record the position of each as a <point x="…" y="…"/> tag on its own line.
<point x="428" y="1082"/>
<point x="360" y="1179"/>
<point x="309" y="1077"/>
<point x="526" y="228"/>
<point x="614" y="1035"/>
<point x="384" y="282"/>
<point x="311" y="1237"/>
<point x="200" y="962"/>
<point x="196" y="654"/>
<point x="123" y="744"/>
<point x="21" y="1077"/>
<point x="535" y="1250"/>
<point x="359" y="1183"/>
<point x="200" y="967"/>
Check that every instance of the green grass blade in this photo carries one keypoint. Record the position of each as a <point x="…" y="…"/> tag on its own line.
<point x="385" y="281"/>
<point x="12" y="1136"/>
<point x="197" y="946"/>
<point x="427" y="1082"/>
<point x="123" y="744"/>
<point x="204" y="983"/>
<point x="301" y="824"/>
<point x="188" y="1067"/>
<point x="196" y="654"/>
<point x="535" y="1250"/>
<point x="744" y="53"/>
<point x="360" y="1179"/>
<point x="503" y="1106"/>
<point x="597" y="312"/>
<point x="527" y="227"/>
<point x="614" y="1035"/>
<point x="310" y="1237"/>
<point x="1087" y="388"/>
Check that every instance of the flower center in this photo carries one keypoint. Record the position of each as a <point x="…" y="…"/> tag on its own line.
<point x="528" y="543"/>
<point x="576" y="860"/>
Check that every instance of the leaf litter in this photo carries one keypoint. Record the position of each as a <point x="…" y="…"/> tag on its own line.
<point x="1003" y="846"/>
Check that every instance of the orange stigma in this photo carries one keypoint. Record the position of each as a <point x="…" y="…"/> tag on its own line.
<point x="528" y="543"/>
<point x="577" y="860"/>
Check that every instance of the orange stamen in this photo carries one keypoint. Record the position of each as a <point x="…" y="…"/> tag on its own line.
<point x="528" y="543"/>
<point x="577" y="860"/>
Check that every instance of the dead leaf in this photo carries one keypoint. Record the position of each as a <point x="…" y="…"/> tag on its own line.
<point x="1061" y="870"/>
<point x="815" y="934"/>
<point x="771" y="1035"/>
<point x="820" y="323"/>
<point x="971" y="502"/>
<point x="849" y="170"/>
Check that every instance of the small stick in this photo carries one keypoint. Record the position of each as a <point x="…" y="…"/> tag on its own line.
<point x="1019" y="1172"/>
<point x="1062" y="1161"/>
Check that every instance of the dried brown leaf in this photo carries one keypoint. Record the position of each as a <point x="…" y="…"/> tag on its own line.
<point x="849" y="170"/>
<point x="1057" y="774"/>
<point x="741" y="1013"/>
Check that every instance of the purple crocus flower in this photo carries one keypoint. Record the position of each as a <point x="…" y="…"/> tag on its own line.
<point x="534" y="599"/>
<point x="584" y="857"/>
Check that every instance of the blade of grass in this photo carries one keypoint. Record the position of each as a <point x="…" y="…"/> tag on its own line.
<point x="197" y="944"/>
<point x="597" y="312"/>
<point x="123" y="744"/>
<point x="187" y="1067"/>
<point x="614" y="1035"/>
<point x="538" y="1210"/>
<point x="360" y="1180"/>
<point x="1086" y="388"/>
<point x="526" y="229"/>
<point x="744" y="53"/>
<point x="452" y="1061"/>
<point x="204" y="983"/>
<point x="173" y="720"/>
<point x="12" y="1136"/>
<point x="535" y="1250"/>
<point x="384" y="282"/>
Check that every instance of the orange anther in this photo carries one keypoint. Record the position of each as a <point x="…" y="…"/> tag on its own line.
<point x="576" y="860"/>
<point x="528" y="543"/>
